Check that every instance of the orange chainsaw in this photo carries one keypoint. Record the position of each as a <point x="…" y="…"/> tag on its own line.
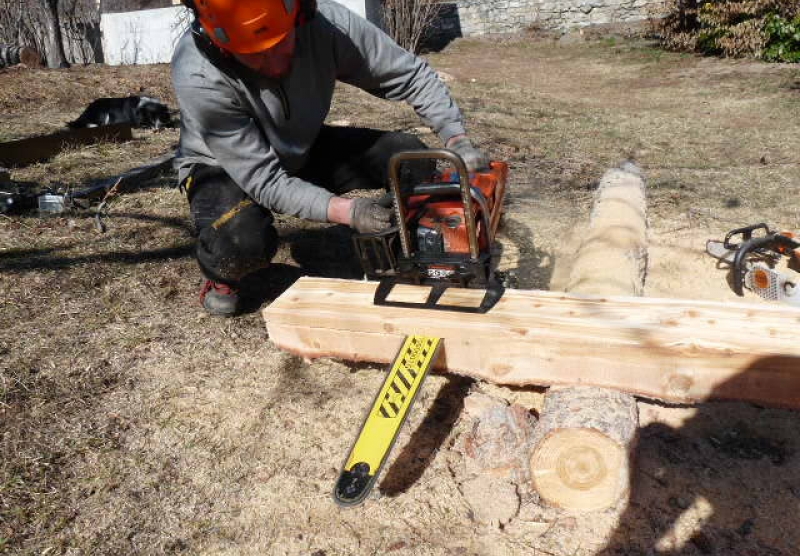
<point x="444" y="234"/>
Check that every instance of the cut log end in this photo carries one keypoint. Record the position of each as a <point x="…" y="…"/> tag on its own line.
<point x="493" y="448"/>
<point x="578" y="470"/>
<point x="581" y="453"/>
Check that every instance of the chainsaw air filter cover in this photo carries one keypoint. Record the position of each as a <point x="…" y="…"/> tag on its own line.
<point x="771" y="285"/>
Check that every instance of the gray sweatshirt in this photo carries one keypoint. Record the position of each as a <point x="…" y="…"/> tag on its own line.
<point x="260" y="130"/>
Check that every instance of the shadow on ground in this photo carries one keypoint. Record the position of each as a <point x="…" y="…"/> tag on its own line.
<point x="46" y="259"/>
<point x="427" y="438"/>
<point x="730" y="474"/>
<point x="326" y="252"/>
<point x="266" y="285"/>
<point x="55" y="258"/>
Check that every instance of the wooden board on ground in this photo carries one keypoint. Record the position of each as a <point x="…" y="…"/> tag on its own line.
<point x="676" y="350"/>
<point x="43" y="147"/>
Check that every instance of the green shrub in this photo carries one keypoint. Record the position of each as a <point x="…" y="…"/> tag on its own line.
<point x="767" y="29"/>
<point x="783" y="39"/>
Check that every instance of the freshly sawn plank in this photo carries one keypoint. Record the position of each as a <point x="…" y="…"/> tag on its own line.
<point x="676" y="350"/>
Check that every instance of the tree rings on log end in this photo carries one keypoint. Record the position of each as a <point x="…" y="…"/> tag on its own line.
<point x="578" y="469"/>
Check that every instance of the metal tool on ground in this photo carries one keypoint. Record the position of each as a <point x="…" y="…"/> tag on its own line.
<point x="16" y="198"/>
<point x="753" y="252"/>
<point x="19" y="197"/>
<point x="385" y="419"/>
<point x="102" y="208"/>
<point x="444" y="233"/>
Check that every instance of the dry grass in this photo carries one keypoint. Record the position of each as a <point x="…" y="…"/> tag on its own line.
<point x="132" y="423"/>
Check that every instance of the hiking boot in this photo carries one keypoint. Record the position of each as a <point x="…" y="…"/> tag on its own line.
<point x="219" y="299"/>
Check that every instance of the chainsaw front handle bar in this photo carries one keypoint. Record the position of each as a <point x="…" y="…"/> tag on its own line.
<point x="463" y="187"/>
<point x="746" y="233"/>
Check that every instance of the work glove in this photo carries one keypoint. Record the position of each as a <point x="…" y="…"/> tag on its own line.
<point x="475" y="159"/>
<point x="367" y="216"/>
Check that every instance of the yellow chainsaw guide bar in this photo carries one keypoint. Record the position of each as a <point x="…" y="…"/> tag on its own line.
<point x="385" y="418"/>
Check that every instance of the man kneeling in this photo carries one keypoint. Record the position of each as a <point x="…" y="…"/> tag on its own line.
<point x="255" y="80"/>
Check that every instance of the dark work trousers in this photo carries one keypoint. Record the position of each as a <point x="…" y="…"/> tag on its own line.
<point x="236" y="236"/>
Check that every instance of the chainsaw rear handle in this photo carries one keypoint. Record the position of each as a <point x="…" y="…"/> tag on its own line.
<point x="777" y="243"/>
<point x="463" y="187"/>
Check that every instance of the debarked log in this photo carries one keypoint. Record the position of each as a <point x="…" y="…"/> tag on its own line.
<point x="582" y="452"/>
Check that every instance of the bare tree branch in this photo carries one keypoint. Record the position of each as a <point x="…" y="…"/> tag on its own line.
<point x="408" y="21"/>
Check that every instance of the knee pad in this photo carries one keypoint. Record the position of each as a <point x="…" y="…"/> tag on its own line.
<point x="230" y="249"/>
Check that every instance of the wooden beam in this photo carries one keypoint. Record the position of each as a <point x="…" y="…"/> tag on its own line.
<point x="676" y="350"/>
<point x="43" y="147"/>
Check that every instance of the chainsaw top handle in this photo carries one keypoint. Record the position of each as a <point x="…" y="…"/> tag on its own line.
<point x="463" y="186"/>
<point x="746" y="233"/>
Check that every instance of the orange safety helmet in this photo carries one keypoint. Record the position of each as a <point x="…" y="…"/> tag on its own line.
<point x="247" y="26"/>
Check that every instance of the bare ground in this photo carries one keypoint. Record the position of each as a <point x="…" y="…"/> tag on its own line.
<point x="133" y="423"/>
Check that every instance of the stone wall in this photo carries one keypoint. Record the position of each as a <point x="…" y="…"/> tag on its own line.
<point x="482" y="17"/>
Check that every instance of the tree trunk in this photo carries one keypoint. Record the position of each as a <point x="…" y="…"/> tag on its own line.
<point x="94" y="37"/>
<point x="56" y="58"/>
<point x="612" y="259"/>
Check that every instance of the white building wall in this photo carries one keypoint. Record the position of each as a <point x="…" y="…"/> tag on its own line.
<point x="141" y="37"/>
<point x="357" y="6"/>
